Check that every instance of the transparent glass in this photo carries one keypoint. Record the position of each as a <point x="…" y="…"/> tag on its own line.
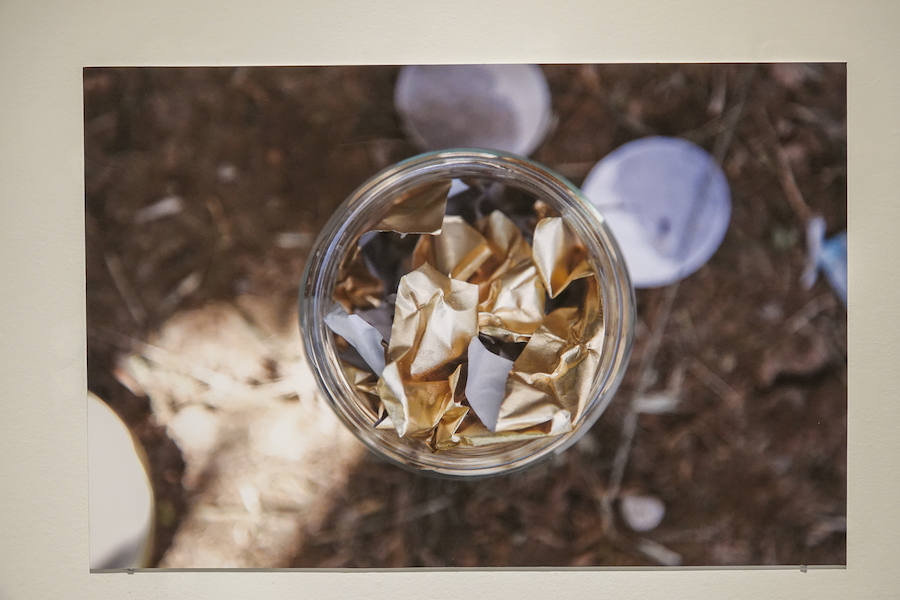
<point x="362" y="210"/>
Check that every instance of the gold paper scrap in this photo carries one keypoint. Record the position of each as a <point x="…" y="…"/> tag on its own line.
<point x="445" y="432"/>
<point x="420" y="210"/>
<point x="507" y="243"/>
<point x="514" y="306"/>
<point x="559" y="255"/>
<point x="364" y="381"/>
<point x="542" y="210"/>
<point x="356" y="286"/>
<point x="475" y="434"/>
<point x="511" y="294"/>
<point x="361" y="379"/>
<point x="434" y="319"/>
<point x="557" y="367"/>
<point x="529" y="402"/>
<point x="415" y="407"/>
<point x="458" y="251"/>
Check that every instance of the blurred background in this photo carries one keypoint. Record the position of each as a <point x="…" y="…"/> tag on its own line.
<point x="726" y="444"/>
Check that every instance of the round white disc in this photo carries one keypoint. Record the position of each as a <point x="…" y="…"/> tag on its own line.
<point x="667" y="203"/>
<point x="497" y="107"/>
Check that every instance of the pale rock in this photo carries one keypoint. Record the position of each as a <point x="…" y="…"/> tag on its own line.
<point x="642" y="513"/>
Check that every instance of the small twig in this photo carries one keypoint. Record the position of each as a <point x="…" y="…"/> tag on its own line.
<point x="220" y="220"/>
<point x="785" y="173"/>
<point x="717" y="97"/>
<point x="166" y="207"/>
<point x="132" y="302"/>
<point x="656" y="338"/>
<point x="187" y="286"/>
<point x="810" y="310"/>
<point x="723" y="143"/>
<point x="711" y="380"/>
<point x="629" y="426"/>
<point x="713" y="127"/>
<point x="414" y="513"/>
<point x="821" y="530"/>
<point x="659" y="553"/>
<point x="593" y="83"/>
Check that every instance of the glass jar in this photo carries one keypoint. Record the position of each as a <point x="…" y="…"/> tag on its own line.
<point x="362" y="210"/>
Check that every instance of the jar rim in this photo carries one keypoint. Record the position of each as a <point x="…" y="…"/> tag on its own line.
<point x="362" y="207"/>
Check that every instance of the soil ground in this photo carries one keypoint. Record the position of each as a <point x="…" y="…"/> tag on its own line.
<point x="249" y="162"/>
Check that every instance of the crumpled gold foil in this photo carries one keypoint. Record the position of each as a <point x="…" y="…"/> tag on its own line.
<point x="356" y="286"/>
<point x="458" y="251"/>
<point x="420" y="210"/>
<point x="498" y="259"/>
<point x="507" y="243"/>
<point x="559" y="255"/>
<point x="363" y="381"/>
<point x="542" y="210"/>
<point x="469" y="280"/>
<point x="415" y="407"/>
<point x="556" y="369"/>
<point x="434" y="319"/>
<point x="473" y="434"/>
<point x="511" y="293"/>
<point x="445" y="433"/>
<point x="514" y="305"/>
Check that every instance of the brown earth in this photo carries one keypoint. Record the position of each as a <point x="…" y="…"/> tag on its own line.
<point x="750" y="464"/>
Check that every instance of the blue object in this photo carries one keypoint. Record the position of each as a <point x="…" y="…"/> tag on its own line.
<point x="833" y="262"/>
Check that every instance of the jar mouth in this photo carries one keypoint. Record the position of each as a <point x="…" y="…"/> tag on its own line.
<point x="363" y="208"/>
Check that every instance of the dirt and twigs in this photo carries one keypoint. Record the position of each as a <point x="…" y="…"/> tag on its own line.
<point x="726" y="444"/>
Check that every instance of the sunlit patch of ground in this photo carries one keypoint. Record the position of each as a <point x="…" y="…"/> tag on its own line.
<point x="263" y="453"/>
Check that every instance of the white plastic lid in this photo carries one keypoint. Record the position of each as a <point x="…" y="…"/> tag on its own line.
<point x="498" y="107"/>
<point x="667" y="203"/>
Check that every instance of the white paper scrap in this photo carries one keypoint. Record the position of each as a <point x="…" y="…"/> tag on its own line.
<point x="456" y="186"/>
<point x="359" y="334"/>
<point x="655" y="404"/>
<point x="170" y="205"/>
<point x="381" y="318"/>
<point x="486" y="383"/>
